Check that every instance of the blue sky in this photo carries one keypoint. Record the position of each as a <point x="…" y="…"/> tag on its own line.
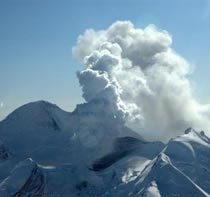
<point x="36" y="37"/>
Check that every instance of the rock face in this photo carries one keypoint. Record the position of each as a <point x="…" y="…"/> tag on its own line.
<point x="42" y="153"/>
<point x="4" y="155"/>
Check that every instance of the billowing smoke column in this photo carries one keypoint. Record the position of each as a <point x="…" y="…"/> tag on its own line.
<point x="142" y="77"/>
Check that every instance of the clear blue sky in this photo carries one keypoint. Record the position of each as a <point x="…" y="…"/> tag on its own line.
<point x="36" y="37"/>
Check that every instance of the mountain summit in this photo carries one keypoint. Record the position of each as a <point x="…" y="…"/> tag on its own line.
<point x="45" y="151"/>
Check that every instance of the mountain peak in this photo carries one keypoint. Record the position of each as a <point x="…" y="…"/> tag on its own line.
<point x="33" y="114"/>
<point x="193" y="134"/>
<point x="189" y="130"/>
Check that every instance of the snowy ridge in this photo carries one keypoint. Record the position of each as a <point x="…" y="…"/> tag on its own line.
<point x="25" y="180"/>
<point x="190" y="153"/>
<point x="169" y="179"/>
<point x="43" y="152"/>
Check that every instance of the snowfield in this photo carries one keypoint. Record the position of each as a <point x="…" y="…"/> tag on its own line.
<point x="47" y="152"/>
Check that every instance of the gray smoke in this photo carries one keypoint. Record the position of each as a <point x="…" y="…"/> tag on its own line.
<point x="142" y="77"/>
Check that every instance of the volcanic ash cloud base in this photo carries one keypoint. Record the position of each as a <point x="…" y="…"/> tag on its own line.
<point x="142" y="77"/>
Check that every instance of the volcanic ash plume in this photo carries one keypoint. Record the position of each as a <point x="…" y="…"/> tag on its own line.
<point x="141" y="77"/>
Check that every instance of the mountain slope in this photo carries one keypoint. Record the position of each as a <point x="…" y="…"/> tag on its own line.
<point x="191" y="154"/>
<point x="169" y="179"/>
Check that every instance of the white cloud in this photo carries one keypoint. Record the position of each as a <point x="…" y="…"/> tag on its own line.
<point x="142" y="77"/>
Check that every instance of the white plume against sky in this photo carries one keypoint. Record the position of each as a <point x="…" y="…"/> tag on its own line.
<point x="142" y="77"/>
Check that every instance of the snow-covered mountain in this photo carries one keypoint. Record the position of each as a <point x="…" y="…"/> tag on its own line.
<point x="45" y="151"/>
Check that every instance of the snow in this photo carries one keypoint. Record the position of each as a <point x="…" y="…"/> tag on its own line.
<point x="190" y="153"/>
<point x="43" y="151"/>
<point x="169" y="179"/>
<point x="151" y="191"/>
<point x="20" y="177"/>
